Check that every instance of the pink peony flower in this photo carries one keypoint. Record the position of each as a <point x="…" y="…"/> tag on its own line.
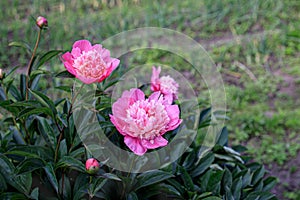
<point x="92" y="165"/>
<point x="89" y="63"/>
<point x="165" y="84"/>
<point x="142" y="121"/>
<point x="41" y="22"/>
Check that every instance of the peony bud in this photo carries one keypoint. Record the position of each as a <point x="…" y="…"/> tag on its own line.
<point x="1" y="74"/>
<point x="92" y="165"/>
<point x="42" y="22"/>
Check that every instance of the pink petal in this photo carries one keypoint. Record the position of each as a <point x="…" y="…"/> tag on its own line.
<point x="76" y="52"/>
<point x="134" y="144"/>
<point x="117" y="124"/>
<point x="83" y="45"/>
<point x="114" y="63"/>
<point x="85" y="79"/>
<point x="155" y="79"/>
<point x="155" y="73"/>
<point x="158" y="141"/>
<point x="154" y="96"/>
<point x="97" y="47"/>
<point x="119" y="107"/>
<point x="168" y="99"/>
<point x="67" y="57"/>
<point x="136" y="94"/>
<point x="70" y="68"/>
<point x="173" y="113"/>
<point x="105" y="53"/>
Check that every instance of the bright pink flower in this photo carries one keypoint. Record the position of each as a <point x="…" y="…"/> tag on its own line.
<point x="142" y="121"/>
<point x="92" y="165"/>
<point x="89" y="63"/>
<point x="41" y="22"/>
<point x="165" y="84"/>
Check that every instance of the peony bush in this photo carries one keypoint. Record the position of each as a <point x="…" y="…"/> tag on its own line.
<point x="43" y="157"/>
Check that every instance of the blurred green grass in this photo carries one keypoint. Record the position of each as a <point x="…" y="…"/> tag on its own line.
<point x="255" y="45"/>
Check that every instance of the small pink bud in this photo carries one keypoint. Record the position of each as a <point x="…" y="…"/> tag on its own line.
<point x="1" y="74"/>
<point x="41" y="22"/>
<point x="92" y="165"/>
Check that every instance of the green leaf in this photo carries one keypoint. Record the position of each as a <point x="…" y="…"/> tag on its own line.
<point x="34" y="111"/>
<point x="212" y="198"/>
<point x="29" y="165"/>
<point x="227" y="178"/>
<point x="51" y="176"/>
<point x="25" y="181"/>
<point x="151" y="177"/>
<point x="111" y="176"/>
<point x="214" y="182"/>
<point x="65" y="186"/>
<point x="189" y="161"/>
<point x="205" y="117"/>
<point x="223" y="138"/>
<point x="259" y="196"/>
<point x="169" y="189"/>
<point x="237" y="188"/>
<point x="2" y="94"/>
<point x="42" y="152"/>
<point x="63" y="150"/>
<point x="80" y="186"/>
<point x="11" y="71"/>
<point x="187" y="180"/>
<point x="132" y="196"/>
<point x="23" y="85"/>
<point x="64" y="74"/>
<point x="258" y="174"/>
<point x="30" y="103"/>
<point x="12" y="195"/>
<point x="47" y="132"/>
<point x="204" y="164"/>
<point x="6" y="105"/>
<point x="64" y="88"/>
<point x="22" y="44"/>
<point x="35" y="194"/>
<point x="247" y="178"/>
<point x="78" y="152"/>
<point x="3" y="185"/>
<point x="179" y="187"/>
<point x="269" y="183"/>
<point x="96" y="185"/>
<point x="22" y="153"/>
<point x="47" y="56"/>
<point x="6" y="167"/>
<point x="15" y="93"/>
<point x="35" y="81"/>
<point x="70" y="162"/>
<point x="44" y="100"/>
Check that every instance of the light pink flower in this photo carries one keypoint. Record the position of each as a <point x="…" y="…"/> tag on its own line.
<point x="92" y="165"/>
<point x="165" y="84"/>
<point x="89" y="63"/>
<point x="143" y="121"/>
<point x="41" y="22"/>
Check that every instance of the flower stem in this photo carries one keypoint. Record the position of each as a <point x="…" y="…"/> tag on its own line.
<point x="68" y="117"/>
<point x="30" y="62"/>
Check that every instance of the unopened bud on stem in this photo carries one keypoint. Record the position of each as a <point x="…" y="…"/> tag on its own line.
<point x="42" y="22"/>
<point x="92" y="166"/>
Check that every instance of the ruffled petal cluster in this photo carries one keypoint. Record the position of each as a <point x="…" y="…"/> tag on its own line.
<point x="89" y="63"/>
<point x="143" y="121"/>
